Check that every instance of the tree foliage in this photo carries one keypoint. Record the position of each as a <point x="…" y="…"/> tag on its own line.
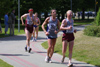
<point x="97" y="20"/>
<point x="46" y="5"/>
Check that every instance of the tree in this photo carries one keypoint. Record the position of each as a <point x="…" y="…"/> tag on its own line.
<point x="5" y="6"/>
<point x="97" y="20"/>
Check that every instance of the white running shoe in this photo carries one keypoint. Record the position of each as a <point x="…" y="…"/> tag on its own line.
<point x="46" y="59"/>
<point x="33" y="39"/>
<point x="70" y="65"/>
<point x="50" y="60"/>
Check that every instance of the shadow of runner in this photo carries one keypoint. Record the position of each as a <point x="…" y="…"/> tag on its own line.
<point x="40" y="52"/>
<point x="13" y="55"/>
<point x="13" y="38"/>
<point x="83" y="66"/>
<point x="74" y="64"/>
<point x="18" y="38"/>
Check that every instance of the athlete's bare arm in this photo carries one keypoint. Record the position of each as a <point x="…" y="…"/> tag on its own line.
<point x="64" y="23"/>
<point x="58" y="25"/>
<point x="44" y="23"/>
<point x="23" y="16"/>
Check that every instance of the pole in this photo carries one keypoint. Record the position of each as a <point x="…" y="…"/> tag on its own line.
<point x="18" y="15"/>
<point x="71" y="4"/>
<point x="95" y="8"/>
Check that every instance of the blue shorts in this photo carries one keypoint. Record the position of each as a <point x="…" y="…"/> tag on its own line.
<point x="50" y="37"/>
<point x="35" y="26"/>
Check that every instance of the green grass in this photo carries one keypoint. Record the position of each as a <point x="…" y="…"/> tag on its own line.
<point x="15" y="31"/>
<point x="4" y="64"/>
<point x="86" y="48"/>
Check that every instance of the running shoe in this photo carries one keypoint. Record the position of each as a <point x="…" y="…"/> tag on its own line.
<point x="29" y="50"/>
<point x="33" y="39"/>
<point x="25" y="48"/>
<point x="50" y="60"/>
<point x="47" y="59"/>
<point x="70" y="65"/>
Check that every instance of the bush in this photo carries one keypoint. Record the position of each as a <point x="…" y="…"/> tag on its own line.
<point x="97" y="20"/>
<point x="92" y="30"/>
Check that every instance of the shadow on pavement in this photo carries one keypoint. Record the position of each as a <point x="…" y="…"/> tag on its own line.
<point x="40" y="52"/>
<point x="83" y="66"/>
<point x="13" y="38"/>
<point x="41" y="38"/>
<point x="13" y="55"/>
<point x="74" y="64"/>
<point x="18" y="38"/>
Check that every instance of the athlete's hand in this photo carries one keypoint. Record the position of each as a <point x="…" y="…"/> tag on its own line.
<point x="75" y="31"/>
<point x="23" y="24"/>
<point x="56" y="32"/>
<point x="47" y="33"/>
<point x="70" y="27"/>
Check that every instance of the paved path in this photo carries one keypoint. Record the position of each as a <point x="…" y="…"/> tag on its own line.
<point x="12" y="51"/>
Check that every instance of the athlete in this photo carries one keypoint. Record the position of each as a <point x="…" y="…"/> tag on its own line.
<point x="53" y="25"/>
<point x="36" y="27"/>
<point x="68" y="36"/>
<point x="30" y="20"/>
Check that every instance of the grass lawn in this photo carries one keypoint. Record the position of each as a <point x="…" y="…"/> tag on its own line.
<point x="16" y="32"/>
<point x="86" y="48"/>
<point x="4" y="64"/>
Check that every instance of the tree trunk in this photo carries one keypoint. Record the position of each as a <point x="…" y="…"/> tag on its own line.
<point x="39" y="15"/>
<point x="62" y="16"/>
<point x="46" y="15"/>
<point x="83" y="10"/>
<point x="88" y="16"/>
<point x="58" y="16"/>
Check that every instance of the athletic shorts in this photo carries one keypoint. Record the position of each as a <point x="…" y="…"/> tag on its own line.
<point x="68" y="36"/>
<point x="50" y="37"/>
<point x="35" y="26"/>
<point x="29" y="28"/>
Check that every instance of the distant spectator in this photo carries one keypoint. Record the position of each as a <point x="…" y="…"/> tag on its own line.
<point x="6" y="23"/>
<point x="0" y="27"/>
<point x="12" y="22"/>
<point x="78" y="15"/>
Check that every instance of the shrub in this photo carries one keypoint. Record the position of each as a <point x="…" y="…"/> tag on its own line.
<point x="97" y="20"/>
<point x="94" y="29"/>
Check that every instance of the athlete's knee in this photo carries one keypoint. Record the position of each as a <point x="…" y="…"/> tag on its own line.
<point x="28" y="39"/>
<point x="50" y="47"/>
